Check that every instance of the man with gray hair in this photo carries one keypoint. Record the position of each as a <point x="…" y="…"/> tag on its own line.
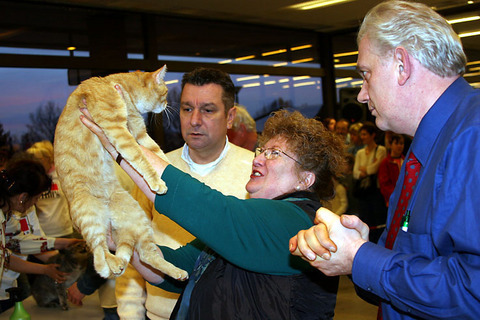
<point x="243" y="132"/>
<point x="426" y="263"/>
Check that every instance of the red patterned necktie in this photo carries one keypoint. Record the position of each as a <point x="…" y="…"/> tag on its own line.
<point x="412" y="168"/>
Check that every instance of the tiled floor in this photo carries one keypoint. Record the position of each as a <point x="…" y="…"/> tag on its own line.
<point x="349" y="307"/>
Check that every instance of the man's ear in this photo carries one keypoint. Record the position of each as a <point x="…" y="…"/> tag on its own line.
<point x="231" y="116"/>
<point x="403" y="65"/>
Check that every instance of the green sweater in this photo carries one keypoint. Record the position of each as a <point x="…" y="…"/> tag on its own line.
<point x="252" y="234"/>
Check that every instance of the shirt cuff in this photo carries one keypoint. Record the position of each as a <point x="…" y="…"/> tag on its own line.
<point x="368" y="266"/>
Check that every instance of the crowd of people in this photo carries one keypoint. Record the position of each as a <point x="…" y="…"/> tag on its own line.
<point x="272" y="218"/>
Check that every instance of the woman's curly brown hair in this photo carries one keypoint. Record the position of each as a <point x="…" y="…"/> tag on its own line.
<point x="317" y="149"/>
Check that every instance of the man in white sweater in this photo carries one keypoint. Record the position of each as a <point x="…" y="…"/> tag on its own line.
<point x="206" y="112"/>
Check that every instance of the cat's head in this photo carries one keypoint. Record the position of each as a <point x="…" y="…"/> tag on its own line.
<point x="156" y="98"/>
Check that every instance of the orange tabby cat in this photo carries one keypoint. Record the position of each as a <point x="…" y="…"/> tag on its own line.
<point x="87" y="175"/>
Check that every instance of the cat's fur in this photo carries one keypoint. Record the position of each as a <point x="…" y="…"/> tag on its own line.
<point x="87" y="175"/>
<point x="73" y="260"/>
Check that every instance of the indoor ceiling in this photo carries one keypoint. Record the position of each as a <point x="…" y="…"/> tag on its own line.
<point x="267" y="12"/>
<point x="336" y="19"/>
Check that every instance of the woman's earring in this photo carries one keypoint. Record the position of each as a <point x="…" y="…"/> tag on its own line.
<point x="297" y="188"/>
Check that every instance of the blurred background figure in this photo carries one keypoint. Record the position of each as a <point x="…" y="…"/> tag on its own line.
<point x="390" y="167"/>
<point x="244" y="130"/>
<point x="355" y="141"/>
<point x="372" y="209"/>
<point x="52" y="207"/>
<point x="329" y="123"/>
<point x="341" y="128"/>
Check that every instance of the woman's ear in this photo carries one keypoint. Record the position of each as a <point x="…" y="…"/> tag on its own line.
<point x="308" y="179"/>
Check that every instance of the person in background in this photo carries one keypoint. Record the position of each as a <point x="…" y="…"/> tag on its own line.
<point x="206" y="113"/>
<point x="341" y="128"/>
<point x="249" y="273"/>
<point x="330" y="123"/>
<point x="339" y="203"/>
<point x="390" y="167"/>
<point x="426" y="264"/>
<point x="21" y="185"/>
<point x="355" y="141"/>
<point x="243" y="132"/>
<point x="52" y="207"/>
<point x="372" y="207"/>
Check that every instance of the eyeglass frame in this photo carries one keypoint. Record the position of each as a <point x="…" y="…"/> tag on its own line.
<point x="268" y="156"/>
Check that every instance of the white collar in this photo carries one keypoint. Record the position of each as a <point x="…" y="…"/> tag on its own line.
<point x="203" y="169"/>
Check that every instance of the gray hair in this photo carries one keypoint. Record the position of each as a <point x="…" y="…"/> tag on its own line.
<point x="244" y="117"/>
<point x="425" y="34"/>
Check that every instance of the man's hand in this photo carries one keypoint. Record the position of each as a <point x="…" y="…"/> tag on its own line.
<point x="315" y="244"/>
<point x="74" y="295"/>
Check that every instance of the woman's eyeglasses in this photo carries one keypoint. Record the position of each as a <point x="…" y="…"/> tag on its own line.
<point x="272" y="153"/>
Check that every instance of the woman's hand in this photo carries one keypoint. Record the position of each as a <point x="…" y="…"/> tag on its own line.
<point x="52" y="271"/>
<point x="87" y="120"/>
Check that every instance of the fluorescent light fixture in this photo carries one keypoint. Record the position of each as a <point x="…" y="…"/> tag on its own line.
<point x="472" y="74"/>
<point x="245" y="58"/>
<point x="250" y="85"/>
<point x="274" y="52"/>
<point x="309" y="5"/>
<point x="267" y="83"/>
<point x="469" y="34"/>
<point x="305" y="46"/>
<point x="225" y="61"/>
<point x="303" y="84"/>
<point x="302" y="60"/>
<point x="356" y="83"/>
<point x="466" y="19"/>
<point x="283" y="80"/>
<point x="475" y="69"/>
<point x="171" y="82"/>
<point x="345" y="65"/>
<point x="343" y="80"/>
<point x="300" y="78"/>
<point x="345" y="54"/>
<point x="473" y="62"/>
<point x="281" y="64"/>
<point x="248" y="78"/>
<point x="72" y="48"/>
<point x="286" y="86"/>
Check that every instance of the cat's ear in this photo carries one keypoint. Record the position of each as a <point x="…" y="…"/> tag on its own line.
<point x="160" y="74"/>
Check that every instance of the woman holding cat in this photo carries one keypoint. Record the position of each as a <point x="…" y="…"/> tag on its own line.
<point x="21" y="185"/>
<point x="249" y="272"/>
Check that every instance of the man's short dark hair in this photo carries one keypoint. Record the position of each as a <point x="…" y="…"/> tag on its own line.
<point x="203" y="76"/>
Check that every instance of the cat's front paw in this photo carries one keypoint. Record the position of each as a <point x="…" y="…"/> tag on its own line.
<point x="158" y="187"/>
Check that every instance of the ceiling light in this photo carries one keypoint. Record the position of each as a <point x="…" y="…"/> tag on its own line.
<point x="469" y="34"/>
<point x="316" y="4"/>
<point x="300" y="78"/>
<point x="346" y="65"/>
<point x="343" y="80"/>
<point x="225" y="61"/>
<point x="248" y="78"/>
<point x="253" y="84"/>
<point x="280" y="64"/>
<point x="345" y="54"/>
<point x="466" y="19"/>
<point x="302" y="60"/>
<point x="473" y="62"/>
<point x="245" y="58"/>
<point x="273" y="52"/>
<point x="302" y="84"/>
<point x="72" y="48"/>
<point x="306" y="46"/>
